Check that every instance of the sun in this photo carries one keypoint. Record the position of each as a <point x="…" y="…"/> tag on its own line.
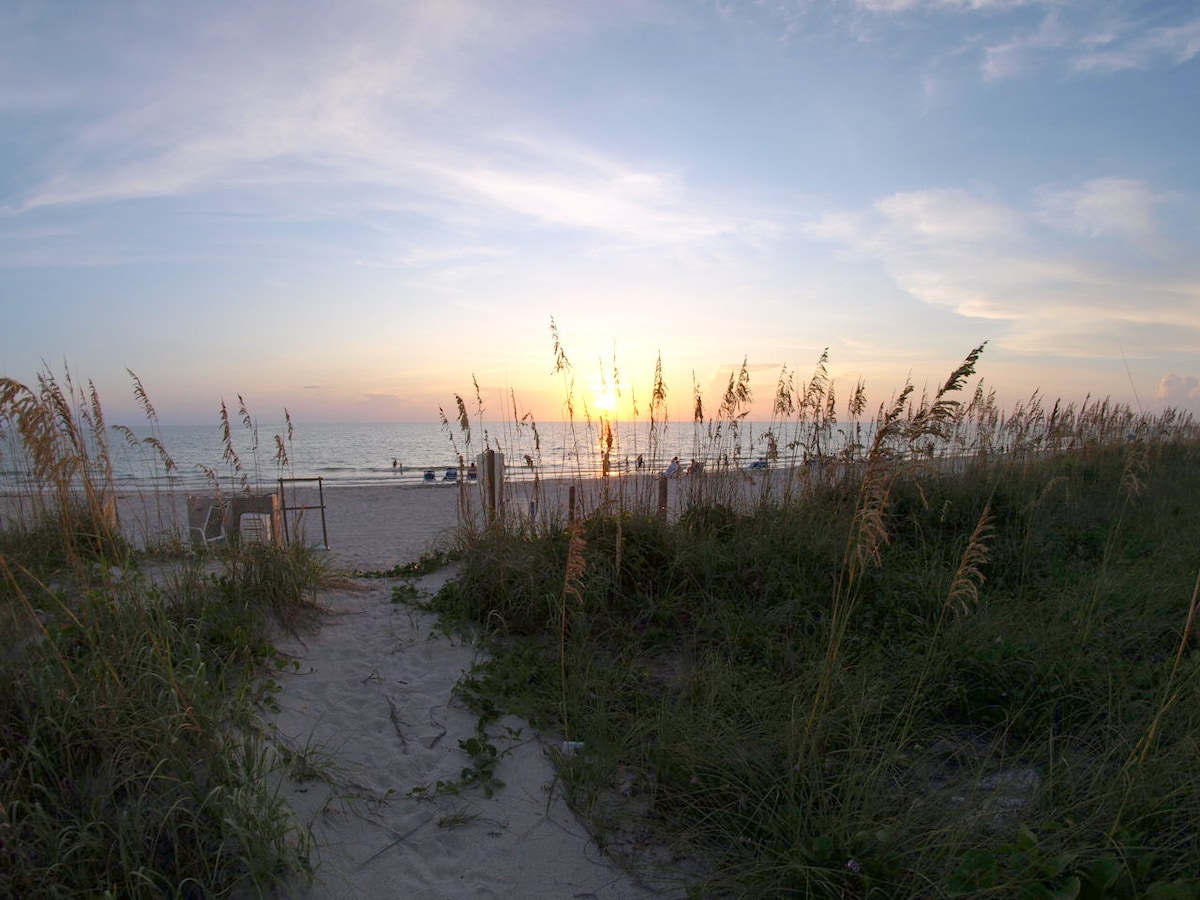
<point x="605" y="400"/>
<point x="602" y="397"/>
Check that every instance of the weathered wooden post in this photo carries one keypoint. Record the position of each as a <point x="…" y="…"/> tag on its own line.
<point x="489" y="474"/>
<point x="662" y="497"/>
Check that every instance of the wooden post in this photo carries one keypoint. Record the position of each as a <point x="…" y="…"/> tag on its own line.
<point x="571" y="505"/>
<point x="489" y="472"/>
<point x="662" y="497"/>
<point x="321" y="501"/>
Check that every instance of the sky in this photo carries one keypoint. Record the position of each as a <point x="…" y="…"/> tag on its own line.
<point x="357" y="209"/>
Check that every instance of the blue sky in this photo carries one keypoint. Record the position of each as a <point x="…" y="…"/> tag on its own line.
<point x="351" y="209"/>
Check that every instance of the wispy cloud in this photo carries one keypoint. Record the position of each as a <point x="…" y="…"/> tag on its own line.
<point x="394" y="125"/>
<point x="310" y="107"/>
<point x="1094" y="40"/>
<point x="391" y="118"/>
<point x="894" y="6"/>
<point x="1172" y="45"/>
<point x="556" y="184"/>
<point x="1089" y="38"/>
<point x="1024" y="50"/>
<point x="1057" y="275"/>
<point x="950" y="216"/>
<point x="1103" y="206"/>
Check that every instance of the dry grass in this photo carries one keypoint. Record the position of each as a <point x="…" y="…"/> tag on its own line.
<point x="131" y="763"/>
<point x="946" y="651"/>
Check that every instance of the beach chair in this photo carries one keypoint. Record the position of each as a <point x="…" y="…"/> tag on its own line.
<point x="451" y="475"/>
<point x="254" y="528"/>
<point x="206" y="521"/>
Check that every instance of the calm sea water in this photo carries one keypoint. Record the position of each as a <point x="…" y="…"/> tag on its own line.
<point x="363" y="454"/>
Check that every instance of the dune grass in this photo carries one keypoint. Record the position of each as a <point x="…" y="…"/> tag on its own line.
<point x="951" y="652"/>
<point x="132" y="763"/>
<point x="947" y="651"/>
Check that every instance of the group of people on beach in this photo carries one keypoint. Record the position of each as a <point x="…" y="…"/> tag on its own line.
<point x="695" y="468"/>
<point x="674" y="470"/>
<point x="431" y="476"/>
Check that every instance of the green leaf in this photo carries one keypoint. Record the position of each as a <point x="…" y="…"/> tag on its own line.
<point x="1104" y="872"/>
<point x="1026" y="839"/>
<point x="1069" y="890"/>
<point x="1179" y="889"/>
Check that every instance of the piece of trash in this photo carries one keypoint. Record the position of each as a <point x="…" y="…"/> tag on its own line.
<point x="570" y="748"/>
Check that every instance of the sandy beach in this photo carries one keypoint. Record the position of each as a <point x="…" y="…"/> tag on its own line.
<point x="370" y="716"/>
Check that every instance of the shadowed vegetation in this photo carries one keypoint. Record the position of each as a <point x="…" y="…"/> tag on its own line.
<point x="951" y="652"/>
<point x="132" y="763"/>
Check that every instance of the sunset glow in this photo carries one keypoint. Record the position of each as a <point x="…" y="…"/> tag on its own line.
<point x="379" y="206"/>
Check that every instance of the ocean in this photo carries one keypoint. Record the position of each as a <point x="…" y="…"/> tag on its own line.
<point x="401" y="454"/>
<point x="363" y="454"/>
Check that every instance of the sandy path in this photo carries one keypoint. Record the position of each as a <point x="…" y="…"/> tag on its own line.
<point x="371" y="712"/>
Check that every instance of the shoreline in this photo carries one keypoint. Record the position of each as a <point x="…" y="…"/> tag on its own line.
<point x="378" y="526"/>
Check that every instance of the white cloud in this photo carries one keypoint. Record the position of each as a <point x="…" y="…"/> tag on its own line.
<point x="223" y="106"/>
<point x="1017" y="55"/>
<point x="1089" y="38"/>
<point x="1064" y="293"/>
<point x="954" y="216"/>
<point x="637" y="205"/>
<point x="1174" y="45"/>
<point x="894" y="6"/>
<point x="1181" y="391"/>
<point x="394" y="107"/>
<point x="206" y="99"/>
<point x="1102" y="206"/>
